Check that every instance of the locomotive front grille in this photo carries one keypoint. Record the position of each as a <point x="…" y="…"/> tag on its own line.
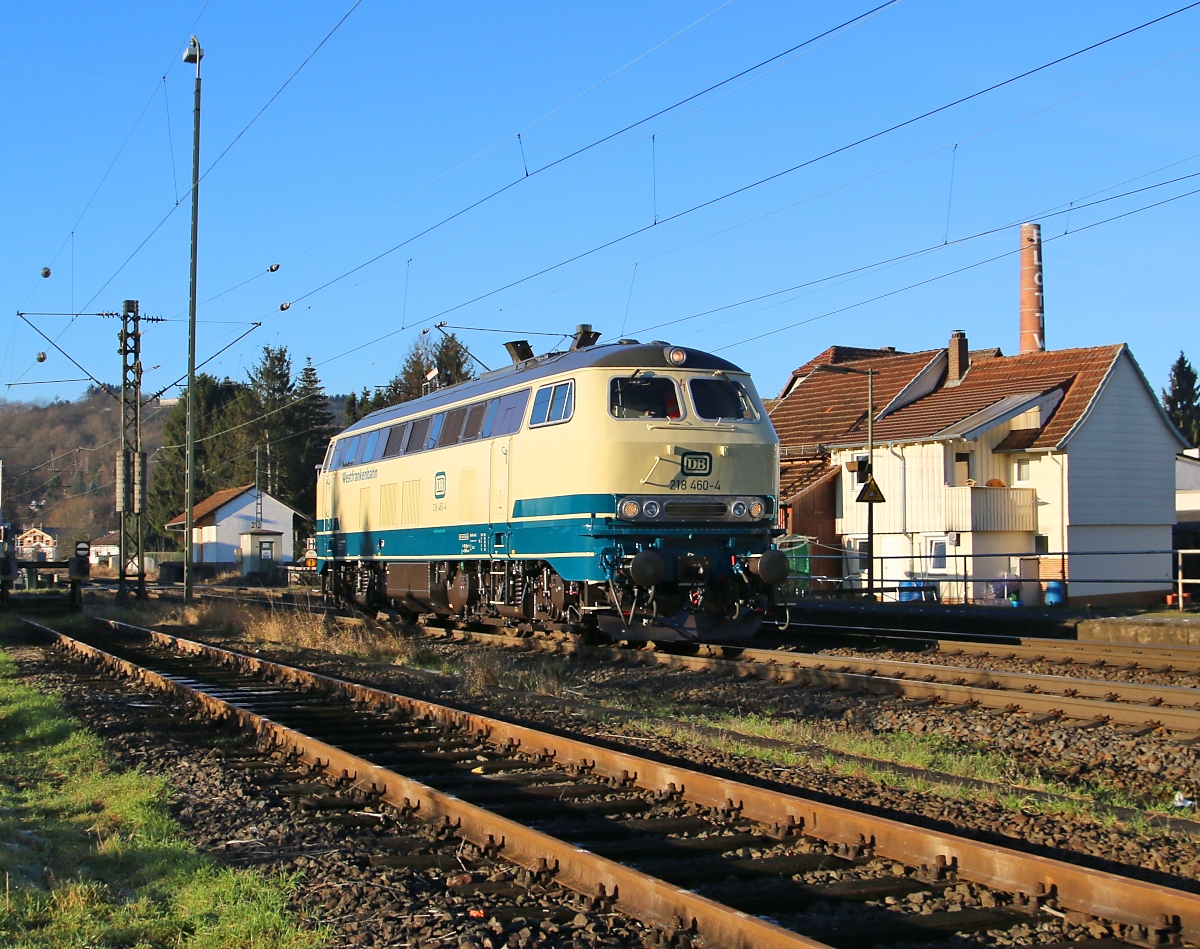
<point x="695" y="509"/>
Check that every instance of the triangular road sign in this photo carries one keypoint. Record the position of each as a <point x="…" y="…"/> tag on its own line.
<point x="870" y="493"/>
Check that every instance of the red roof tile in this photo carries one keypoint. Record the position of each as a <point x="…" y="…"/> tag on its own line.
<point x="823" y="408"/>
<point x="210" y="504"/>
<point x="796" y="475"/>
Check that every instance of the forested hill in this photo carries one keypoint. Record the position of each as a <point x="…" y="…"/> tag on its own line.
<point x="59" y="460"/>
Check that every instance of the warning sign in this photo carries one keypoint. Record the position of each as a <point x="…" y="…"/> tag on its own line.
<point x="870" y="493"/>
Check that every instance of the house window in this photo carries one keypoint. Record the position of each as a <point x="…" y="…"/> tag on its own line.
<point x="964" y="467"/>
<point x="863" y="463"/>
<point x="937" y="555"/>
<point x="1021" y="470"/>
<point x="1041" y="544"/>
<point x="856" y="555"/>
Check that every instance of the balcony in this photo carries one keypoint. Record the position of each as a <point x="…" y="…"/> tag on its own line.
<point x="977" y="508"/>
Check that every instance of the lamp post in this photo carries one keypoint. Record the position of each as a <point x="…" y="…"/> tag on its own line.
<point x="870" y="501"/>
<point x="193" y="54"/>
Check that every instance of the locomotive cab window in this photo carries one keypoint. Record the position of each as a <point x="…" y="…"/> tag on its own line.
<point x="351" y="451"/>
<point x="722" y="400"/>
<point x="553" y="404"/>
<point x="643" y="397"/>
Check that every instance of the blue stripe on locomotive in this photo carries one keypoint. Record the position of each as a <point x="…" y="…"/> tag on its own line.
<point x="579" y="548"/>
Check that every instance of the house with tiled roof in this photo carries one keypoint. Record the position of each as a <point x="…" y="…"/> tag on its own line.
<point x="1050" y="465"/>
<point x="220" y="521"/>
<point x="37" y="543"/>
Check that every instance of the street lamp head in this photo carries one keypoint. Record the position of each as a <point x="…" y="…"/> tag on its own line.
<point x="193" y="54"/>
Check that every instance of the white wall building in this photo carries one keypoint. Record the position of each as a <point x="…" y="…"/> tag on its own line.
<point x="1050" y="465"/>
<point x="220" y="520"/>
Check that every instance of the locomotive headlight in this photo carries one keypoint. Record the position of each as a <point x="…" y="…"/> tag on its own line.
<point x="676" y="356"/>
<point x="739" y="509"/>
<point x="629" y="509"/>
<point x="757" y="509"/>
<point x="651" y="508"/>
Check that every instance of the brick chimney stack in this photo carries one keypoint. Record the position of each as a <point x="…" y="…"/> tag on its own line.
<point x="960" y="358"/>
<point x="1033" y="311"/>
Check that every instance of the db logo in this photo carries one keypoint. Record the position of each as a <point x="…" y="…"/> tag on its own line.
<point x="696" y="463"/>
<point x="439" y="484"/>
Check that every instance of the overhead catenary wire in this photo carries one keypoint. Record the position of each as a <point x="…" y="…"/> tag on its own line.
<point x="853" y="21"/>
<point x="814" y="318"/>
<point x="121" y="149"/>
<point x="951" y="273"/>
<point x="224" y="152"/>
<point x="761" y="181"/>
<point x="1078" y="204"/>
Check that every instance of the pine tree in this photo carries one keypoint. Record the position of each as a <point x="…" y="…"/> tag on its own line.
<point x="214" y="402"/>
<point x="450" y="358"/>
<point x="314" y="427"/>
<point x="1181" y="401"/>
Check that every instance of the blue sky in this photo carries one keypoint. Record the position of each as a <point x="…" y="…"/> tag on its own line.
<point x="408" y="114"/>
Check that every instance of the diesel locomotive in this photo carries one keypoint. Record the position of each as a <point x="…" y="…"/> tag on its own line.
<point x="627" y="489"/>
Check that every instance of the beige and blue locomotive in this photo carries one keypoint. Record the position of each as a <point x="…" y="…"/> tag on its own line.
<point x="625" y="488"/>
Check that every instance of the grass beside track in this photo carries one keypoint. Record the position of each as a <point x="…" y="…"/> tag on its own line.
<point x="90" y="856"/>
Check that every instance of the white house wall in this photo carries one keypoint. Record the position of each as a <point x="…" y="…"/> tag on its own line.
<point x="1091" y="558"/>
<point x="1123" y="457"/>
<point x="236" y="516"/>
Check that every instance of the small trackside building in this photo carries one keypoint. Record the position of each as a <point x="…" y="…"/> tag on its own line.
<point x="219" y="521"/>
<point x="1047" y="466"/>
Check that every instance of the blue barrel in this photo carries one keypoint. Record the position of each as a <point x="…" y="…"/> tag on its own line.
<point x="1056" y="593"/>
<point x="909" y="590"/>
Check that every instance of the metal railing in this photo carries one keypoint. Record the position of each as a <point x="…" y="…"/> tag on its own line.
<point x="1025" y="576"/>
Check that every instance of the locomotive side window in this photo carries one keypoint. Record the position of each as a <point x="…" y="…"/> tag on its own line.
<point x="368" y="450"/>
<point x="435" y="429"/>
<point x="335" y="462"/>
<point x="553" y="404"/>
<point x="395" y="440"/>
<point x="474" y="424"/>
<point x="416" y="436"/>
<point x="452" y="428"/>
<point x="351" y="451"/>
<point x="722" y="399"/>
<point x="643" y="397"/>
<point x="489" y="418"/>
<point x="509" y="413"/>
<point x="327" y="464"/>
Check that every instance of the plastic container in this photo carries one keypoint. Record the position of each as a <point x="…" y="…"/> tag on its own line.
<point x="1056" y="593"/>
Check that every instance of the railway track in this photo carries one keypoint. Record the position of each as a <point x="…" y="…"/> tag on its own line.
<point x="703" y="856"/>
<point x="1132" y="705"/>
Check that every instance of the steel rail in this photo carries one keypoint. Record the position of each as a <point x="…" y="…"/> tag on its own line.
<point x="1109" y="691"/>
<point x="1148" y="656"/>
<point x="1160" y="910"/>
<point x="632" y="891"/>
<point x="1122" y="703"/>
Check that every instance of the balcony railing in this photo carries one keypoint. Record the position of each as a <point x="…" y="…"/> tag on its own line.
<point x="977" y="508"/>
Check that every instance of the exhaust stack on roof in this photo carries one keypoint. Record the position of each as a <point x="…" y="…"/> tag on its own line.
<point x="1033" y="310"/>
<point x="959" y="358"/>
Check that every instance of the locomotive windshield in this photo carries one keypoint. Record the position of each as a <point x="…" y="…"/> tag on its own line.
<point x="722" y="399"/>
<point x="643" y="397"/>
